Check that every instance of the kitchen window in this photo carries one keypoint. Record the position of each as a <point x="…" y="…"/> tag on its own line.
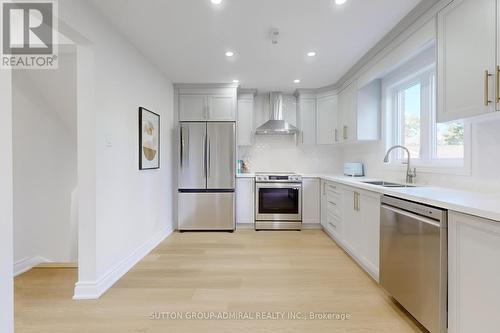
<point x="412" y="123"/>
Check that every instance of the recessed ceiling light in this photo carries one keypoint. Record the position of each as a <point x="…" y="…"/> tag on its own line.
<point x="311" y="54"/>
<point x="216" y="2"/>
<point x="340" y="2"/>
<point x="296" y="81"/>
<point x="229" y="53"/>
<point x="236" y="81"/>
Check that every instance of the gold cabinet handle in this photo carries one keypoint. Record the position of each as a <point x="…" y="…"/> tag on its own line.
<point x="357" y="207"/>
<point x="486" y="87"/>
<point x="497" y="85"/>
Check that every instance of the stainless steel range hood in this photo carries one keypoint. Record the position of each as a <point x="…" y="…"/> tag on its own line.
<point x="276" y="125"/>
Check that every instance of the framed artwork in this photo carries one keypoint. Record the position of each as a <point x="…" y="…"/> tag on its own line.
<point x="149" y="139"/>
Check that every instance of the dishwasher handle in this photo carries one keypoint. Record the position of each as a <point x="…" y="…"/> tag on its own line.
<point x="412" y="216"/>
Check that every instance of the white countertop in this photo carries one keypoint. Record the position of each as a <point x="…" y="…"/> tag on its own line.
<point x="245" y="175"/>
<point x="485" y="205"/>
<point x="252" y="175"/>
<point x="467" y="202"/>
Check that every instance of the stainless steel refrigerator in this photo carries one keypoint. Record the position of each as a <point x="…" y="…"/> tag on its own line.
<point x="207" y="176"/>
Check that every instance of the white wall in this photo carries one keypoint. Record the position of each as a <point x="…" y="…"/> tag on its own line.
<point x="6" y="211"/>
<point x="45" y="157"/>
<point x="281" y="153"/>
<point x="132" y="207"/>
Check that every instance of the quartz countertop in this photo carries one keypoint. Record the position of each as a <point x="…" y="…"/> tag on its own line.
<point x="485" y="205"/>
<point x="252" y="175"/>
<point x="245" y="175"/>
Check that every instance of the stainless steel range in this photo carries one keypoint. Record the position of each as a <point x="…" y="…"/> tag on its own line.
<point x="278" y="201"/>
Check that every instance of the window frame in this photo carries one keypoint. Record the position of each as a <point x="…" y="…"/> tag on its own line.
<point x="427" y="161"/>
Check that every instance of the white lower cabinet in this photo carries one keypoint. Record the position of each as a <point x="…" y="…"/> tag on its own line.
<point x="352" y="217"/>
<point x="369" y="205"/>
<point x="323" y="206"/>
<point x="311" y="201"/>
<point x="352" y="221"/>
<point x="474" y="271"/>
<point x="333" y="196"/>
<point x="245" y="200"/>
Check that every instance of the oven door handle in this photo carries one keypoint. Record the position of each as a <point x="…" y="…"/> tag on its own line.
<point x="279" y="185"/>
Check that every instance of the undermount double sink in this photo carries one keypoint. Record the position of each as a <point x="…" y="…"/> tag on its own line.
<point x="386" y="184"/>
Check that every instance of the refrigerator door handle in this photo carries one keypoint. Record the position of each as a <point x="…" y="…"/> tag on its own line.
<point x="205" y="154"/>
<point x="181" y="148"/>
<point x="209" y="157"/>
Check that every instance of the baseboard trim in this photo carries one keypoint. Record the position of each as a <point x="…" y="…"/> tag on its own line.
<point x="312" y="226"/>
<point x="245" y="226"/>
<point x="57" y="265"/>
<point x="305" y="226"/>
<point x="95" y="289"/>
<point x="26" y="264"/>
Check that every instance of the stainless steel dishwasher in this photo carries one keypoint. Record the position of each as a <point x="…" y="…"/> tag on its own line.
<point x="413" y="259"/>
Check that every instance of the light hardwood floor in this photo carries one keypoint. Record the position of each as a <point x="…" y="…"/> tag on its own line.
<point x="242" y="272"/>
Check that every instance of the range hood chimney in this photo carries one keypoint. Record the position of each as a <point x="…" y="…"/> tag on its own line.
<point x="276" y="125"/>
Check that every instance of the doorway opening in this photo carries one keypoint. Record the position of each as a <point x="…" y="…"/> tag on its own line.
<point x="44" y="104"/>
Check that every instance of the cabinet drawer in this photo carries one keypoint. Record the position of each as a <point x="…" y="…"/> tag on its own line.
<point x="333" y="196"/>
<point x="332" y="188"/>
<point x="331" y="228"/>
<point x="333" y="218"/>
<point x="333" y="209"/>
<point x="333" y="224"/>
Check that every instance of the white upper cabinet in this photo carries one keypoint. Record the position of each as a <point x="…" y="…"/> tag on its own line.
<point x="307" y="120"/>
<point x="245" y="130"/>
<point x="467" y="74"/>
<point x="347" y="126"/>
<point x="207" y="103"/>
<point x="317" y="115"/>
<point x="221" y="108"/>
<point x="359" y="113"/>
<point x="192" y="107"/>
<point x="326" y="119"/>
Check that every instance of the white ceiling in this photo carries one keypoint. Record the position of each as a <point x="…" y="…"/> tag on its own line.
<point x="187" y="39"/>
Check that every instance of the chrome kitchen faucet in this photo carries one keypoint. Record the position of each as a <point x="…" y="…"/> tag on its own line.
<point x="410" y="175"/>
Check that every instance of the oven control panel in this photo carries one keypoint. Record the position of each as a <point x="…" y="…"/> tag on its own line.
<point x="279" y="178"/>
